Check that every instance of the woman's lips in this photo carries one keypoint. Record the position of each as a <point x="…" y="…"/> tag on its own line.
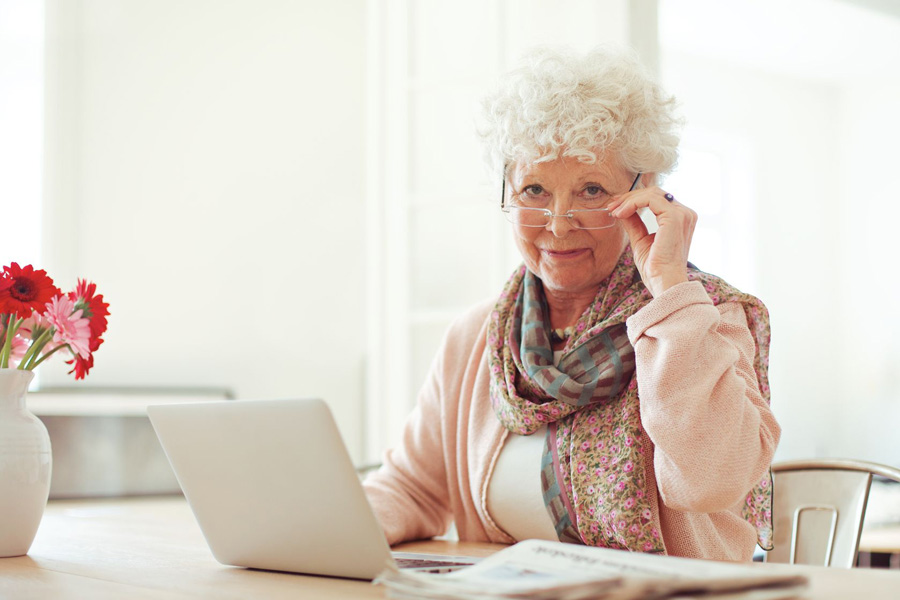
<point x="565" y="254"/>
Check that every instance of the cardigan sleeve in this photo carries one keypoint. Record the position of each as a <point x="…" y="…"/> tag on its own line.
<point x="409" y="491"/>
<point x="713" y="433"/>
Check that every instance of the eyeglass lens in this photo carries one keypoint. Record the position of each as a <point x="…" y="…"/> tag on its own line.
<point x="538" y="217"/>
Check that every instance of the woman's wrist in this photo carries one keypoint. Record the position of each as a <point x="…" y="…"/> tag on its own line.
<point x="658" y="285"/>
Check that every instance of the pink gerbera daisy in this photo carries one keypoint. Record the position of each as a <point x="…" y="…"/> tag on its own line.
<point x="32" y="327"/>
<point x="70" y="326"/>
<point x="17" y="350"/>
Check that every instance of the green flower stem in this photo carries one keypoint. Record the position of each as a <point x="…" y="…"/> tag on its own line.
<point x="46" y="355"/>
<point x="5" y="343"/>
<point x="35" y="349"/>
<point x="12" y="326"/>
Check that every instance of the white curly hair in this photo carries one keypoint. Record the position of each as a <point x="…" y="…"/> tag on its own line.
<point x="588" y="106"/>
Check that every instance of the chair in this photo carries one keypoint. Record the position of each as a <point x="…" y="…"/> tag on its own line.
<point x="818" y="509"/>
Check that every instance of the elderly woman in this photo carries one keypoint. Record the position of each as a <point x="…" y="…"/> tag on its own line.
<point x="613" y="395"/>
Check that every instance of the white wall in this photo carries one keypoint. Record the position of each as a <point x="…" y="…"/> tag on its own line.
<point x="868" y="355"/>
<point x="21" y="127"/>
<point x="205" y="166"/>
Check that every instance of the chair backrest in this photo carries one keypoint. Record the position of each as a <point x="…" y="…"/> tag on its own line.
<point x="818" y="509"/>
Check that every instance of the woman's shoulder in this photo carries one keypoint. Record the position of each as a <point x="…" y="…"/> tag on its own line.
<point x="464" y="340"/>
<point x="469" y="324"/>
<point x="720" y="291"/>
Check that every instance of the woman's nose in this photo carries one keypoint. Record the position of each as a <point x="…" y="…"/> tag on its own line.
<point x="560" y="224"/>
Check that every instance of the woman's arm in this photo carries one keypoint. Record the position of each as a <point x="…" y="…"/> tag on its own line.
<point x="409" y="492"/>
<point x="713" y="432"/>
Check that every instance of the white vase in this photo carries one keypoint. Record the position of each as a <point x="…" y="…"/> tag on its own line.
<point x="25" y="465"/>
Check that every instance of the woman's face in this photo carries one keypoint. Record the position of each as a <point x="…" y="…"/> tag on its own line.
<point x="569" y="261"/>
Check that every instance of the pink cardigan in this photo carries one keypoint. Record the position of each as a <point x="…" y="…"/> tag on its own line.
<point x="712" y="434"/>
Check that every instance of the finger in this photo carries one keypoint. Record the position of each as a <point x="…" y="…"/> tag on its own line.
<point x="624" y="200"/>
<point x="653" y="199"/>
<point x="663" y="202"/>
<point x="635" y="228"/>
<point x="656" y="200"/>
<point x="675" y="221"/>
<point x="615" y="202"/>
<point x="623" y="207"/>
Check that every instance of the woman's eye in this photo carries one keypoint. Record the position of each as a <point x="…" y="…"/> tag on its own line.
<point x="593" y="191"/>
<point x="533" y="190"/>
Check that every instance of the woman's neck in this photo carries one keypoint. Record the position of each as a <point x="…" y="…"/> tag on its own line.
<point x="566" y="309"/>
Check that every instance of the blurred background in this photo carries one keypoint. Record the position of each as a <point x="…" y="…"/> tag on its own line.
<point x="284" y="198"/>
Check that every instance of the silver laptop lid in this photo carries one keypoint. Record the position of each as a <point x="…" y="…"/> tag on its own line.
<point x="272" y="486"/>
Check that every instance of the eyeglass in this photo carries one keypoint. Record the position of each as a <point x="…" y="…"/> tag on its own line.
<point x="588" y="218"/>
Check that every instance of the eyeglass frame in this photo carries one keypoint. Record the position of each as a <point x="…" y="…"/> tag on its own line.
<point x="568" y="214"/>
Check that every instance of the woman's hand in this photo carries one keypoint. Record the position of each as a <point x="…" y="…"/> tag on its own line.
<point x="661" y="257"/>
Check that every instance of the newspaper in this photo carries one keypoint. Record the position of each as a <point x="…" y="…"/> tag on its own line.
<point x="544" y="570"/>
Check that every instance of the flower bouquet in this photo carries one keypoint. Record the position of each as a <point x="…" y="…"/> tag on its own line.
<point x="36" y="321"/>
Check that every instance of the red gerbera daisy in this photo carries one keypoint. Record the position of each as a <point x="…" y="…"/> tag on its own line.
<point x="28" y="290"/>
<point x="93" y="306"/>
<point x="83" y="365"/>
<point x="96" y="310"/>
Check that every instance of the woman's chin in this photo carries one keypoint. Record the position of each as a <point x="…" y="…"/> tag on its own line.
<point x="574" y="283"/>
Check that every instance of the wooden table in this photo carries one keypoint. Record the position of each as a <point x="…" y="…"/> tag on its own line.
<point x="151" y="548"/>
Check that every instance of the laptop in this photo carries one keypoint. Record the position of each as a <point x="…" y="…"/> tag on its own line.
<point x="272" y="487"/>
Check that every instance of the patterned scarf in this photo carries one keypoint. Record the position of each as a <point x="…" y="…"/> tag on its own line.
<point x="592" y="469"/>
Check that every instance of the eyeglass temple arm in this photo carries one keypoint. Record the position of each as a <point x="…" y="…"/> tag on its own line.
<point x="635" y="182"/>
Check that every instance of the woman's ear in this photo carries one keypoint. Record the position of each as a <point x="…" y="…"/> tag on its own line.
<point x="647" y="180"/>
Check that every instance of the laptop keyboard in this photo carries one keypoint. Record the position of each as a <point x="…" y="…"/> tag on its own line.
<point x="421" y="563"/>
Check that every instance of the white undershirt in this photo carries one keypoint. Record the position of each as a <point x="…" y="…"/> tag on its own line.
<point x="514" y="497"/>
